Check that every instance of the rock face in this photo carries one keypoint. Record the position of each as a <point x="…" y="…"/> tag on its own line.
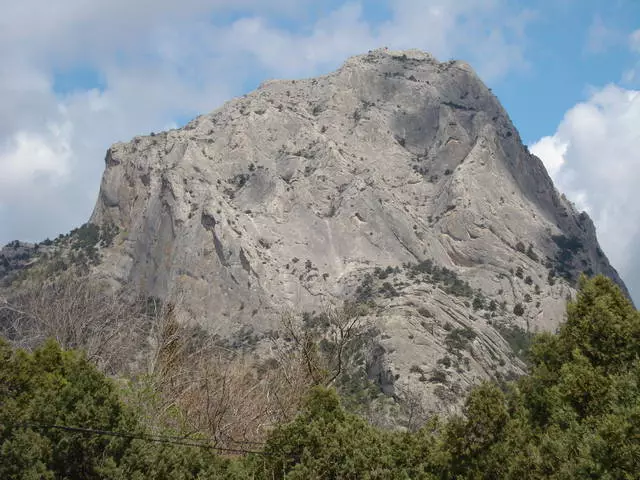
<point x="15" y="257"/>
<point x="291" y="196"/>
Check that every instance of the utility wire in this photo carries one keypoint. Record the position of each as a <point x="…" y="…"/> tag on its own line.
<point x="149" y="438"/>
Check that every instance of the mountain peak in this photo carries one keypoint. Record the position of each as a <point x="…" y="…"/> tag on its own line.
<point x="397" y="180"/>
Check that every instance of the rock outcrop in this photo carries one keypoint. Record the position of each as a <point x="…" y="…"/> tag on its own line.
<point x="397" y="180"/>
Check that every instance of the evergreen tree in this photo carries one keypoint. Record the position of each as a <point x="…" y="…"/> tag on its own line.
<point x="54" y="387"/>
<point x="576" y="415"/>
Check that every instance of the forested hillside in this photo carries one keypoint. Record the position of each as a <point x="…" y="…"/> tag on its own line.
<point x="575" y="415"/>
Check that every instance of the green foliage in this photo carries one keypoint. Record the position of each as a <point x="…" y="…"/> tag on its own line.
<point x="576" y="415"/>
<point x="427" y="271"/>
<point x="445" y="362"/>
<point x="531" y="254"/>
<point x="423" y="272"/>
<point x="86" y="241"/>
<point x="567" y="248"/>
<point x="52" y="386"/>
<point x="79" y="250"/>
<point x="459" y="338"/>
<point x="470" y="439"/>
<point x="602" y="325"/>
<point x="518" y="339"/>
<point x="478" y="302"/>
<point x="388" y="290"/>
<point x="438" y="376"/>
<point x="325" y="442"/>
<point x="384" y="273"/>
<point x="86" y="236"/>
<point x="358" y="392"/>
<point x="518" y="309"/>
<point x="365" y="293"/>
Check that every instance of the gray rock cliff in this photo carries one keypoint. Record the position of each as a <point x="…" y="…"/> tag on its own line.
<point x="396" y="179"/>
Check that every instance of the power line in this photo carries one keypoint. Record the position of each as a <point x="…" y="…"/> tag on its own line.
<point x="183" y="441"/>
<point x="245" y="442"/>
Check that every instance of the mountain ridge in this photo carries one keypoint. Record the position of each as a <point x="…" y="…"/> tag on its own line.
<point x="396" y="180"/>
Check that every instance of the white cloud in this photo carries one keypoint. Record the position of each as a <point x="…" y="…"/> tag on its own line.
<point x="551" y="151"/>
<point x="30" y="157"/>
<point x="332" y="39"/>
<point x="594" y="157"/>
<point x="492" y="41"/>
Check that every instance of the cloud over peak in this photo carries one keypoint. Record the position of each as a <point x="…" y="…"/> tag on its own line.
<point x="594" y="157"/>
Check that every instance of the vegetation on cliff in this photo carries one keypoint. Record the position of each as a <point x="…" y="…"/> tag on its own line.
<point x="575" y="415"/>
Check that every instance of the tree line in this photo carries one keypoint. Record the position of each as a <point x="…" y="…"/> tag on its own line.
<point x="575" y="415"/>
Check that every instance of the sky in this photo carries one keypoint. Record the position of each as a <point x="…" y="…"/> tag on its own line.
<point x="79" y="75"/>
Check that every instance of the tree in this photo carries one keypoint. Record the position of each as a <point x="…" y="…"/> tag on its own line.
<point x="469" y="439"/>
<point x="53" y="386"/>
<point x="574" y="416"/>
<point x="518" y="309"/>
<point x="478" y="302"/>
<point x="78" y="312"/>
<point x="324" y="441"/>
<point x="582" y="390"/>
<point x="531" y="254"/>
<point x="603" y="325"/>
<point x="322" y="347"/>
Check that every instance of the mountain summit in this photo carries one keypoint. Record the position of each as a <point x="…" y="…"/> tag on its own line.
<point x="396" y="181"/>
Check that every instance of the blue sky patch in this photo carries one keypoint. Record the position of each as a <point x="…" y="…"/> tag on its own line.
<point x="77" y="79"/>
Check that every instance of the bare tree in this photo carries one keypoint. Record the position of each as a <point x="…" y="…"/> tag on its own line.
<point x="79" y="312"/>
<point x="209" y="388"/>
<point x="322" y="347"/>
<point x="234" y="397"/>
<point x="303" y="348"/>
<point x="411" y="402"/>
<point x="346" y="326"/>
<point x="180" y="374"/>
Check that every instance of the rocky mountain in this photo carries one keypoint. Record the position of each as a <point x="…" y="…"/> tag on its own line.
<point x="397" y="181"/>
